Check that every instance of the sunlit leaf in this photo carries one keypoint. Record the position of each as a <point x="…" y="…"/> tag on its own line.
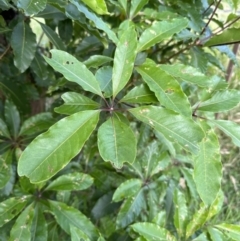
<point x="78" y="234"/>
<point x="56" y="147"/>
<point x="98" y="6"/>
<point x="74" y="71"/>
<point x="136" y="6"/>
<point x="96" y="61"/>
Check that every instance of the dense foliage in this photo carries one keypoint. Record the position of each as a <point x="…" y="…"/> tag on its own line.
<point x="111" y="116"/>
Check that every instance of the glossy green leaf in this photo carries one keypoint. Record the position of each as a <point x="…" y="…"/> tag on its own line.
<point x="104" y="77"/>
<point x="160" y="31"/>
<point x="180" y="212"/>
<point x="23" y="43"/>
<point x="97" y="60"/>
<point x="77" y="234"/>
<point x="74" y="71"/>
<point x="136" y="6"/>
<point x="32" y="7"/>
<point x="199" y="219"/>
<point x="127" y="189"/>
<point x="166" y="88"/>
<point x="53" y="37"/>
<point x="11" y="208"/>
<point x="152" y="232"/>
<point x="37" y="123"/>
<point x="55" y="150"/>
<point x="124" y="58"/>
<point x="221" y="101"/>
<point x="75" y="102"/>
<point x="21" y="230"/>
<point x="186" y="73"/>
<point x="116" y="142"/>
<point x="231" y="230"/>
<point x="39" y="225"/>
<point x="173" y="126"/>
<point x="99" y="23"/>
<point x="130" y="209"/>
<point x="208" y="168"/>
<point x="5" y="167"/>
<point x="51" y="12"/>
<point x="228" y="36"/>
<point x="4" y="129"/>
<point x="12" y="118"/>
<point x="71" y="181"/>
<point x="140" y="94"/>
<point x="67" y="216"/>
<point x="98" y="6"/>
<point x="230" y="128"/>
<point x="215" y="234"/>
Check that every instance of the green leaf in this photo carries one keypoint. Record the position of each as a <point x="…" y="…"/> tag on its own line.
<point x="166" y="88"/>
<point x="71" y="181"/>
<point x="152" y="232"/>
<point x="53" y="37"/>
<point x="97" y="60"/>
<point x="160" y="31"/>
<point x="180" y="212"/>
<point x="228" y="36"/>
<point x="5" y="167"/>
<point x="75" y="102"/>
<point x="208" y="168"/>
<point x="127" y="189"/>
<point x="124" y="58"/>
<point x="230" y="128"/>
<point x="136" y="6"/>
<point x="65" y="30"/>
<point x="221" y="101"/>
<point x="96" y="20"/>
<point x="98" y="6"/>
<point x="21" y="230"/>
<point x="39" y="225"/>
<point x="23" y="43"/>
<point x="32" y="7"/>
<point x="12" y="118"/>
<point x="199" y="219"/>
<point x="4" y="129"/>
<point x="140" y="94"/>
<point x="104" y="77"/>
<point x="186" y="73"/>
<point x="77" y="234"/>
<point x="67" y="216"/>
<point x="215" y="234"/>
<point x="74" y="71"/>
<point x="173" y="126"/>
<point x="37" y="123"/>
<point x="116" y="142"/>
<point x="11" y="208"/>
<point x="61" y="148"/>
<point x="130" y="209"/>
<point x="231" y="230"/>
<point x="5" y="5"/>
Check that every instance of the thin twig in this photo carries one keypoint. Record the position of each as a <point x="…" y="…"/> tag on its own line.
<point x="230" y="65"/>
<point x="228" y="25"/>
<point x="5" y="52"/>
<point x="210" y="5"/>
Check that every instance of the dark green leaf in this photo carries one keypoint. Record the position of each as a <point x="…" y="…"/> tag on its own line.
<point x="51" y="12"/>
<point x="12" y="118"/>
<point x="221" y="101"/>
<point x="23" y="43"/>
<point x="74" y="71"/>
<point x="65" y="29"/>
<point x="4" y="129"/>
<point x="173" y="126"/>
<point x="22" y="228"/>
<point x="140" y="94"/>
<point x="5" y="167"/>
<point x="152" y="232"/>
<point x="124" y="58"/>
<point x="53" y="37"/>
<point x="160" y="31"/>
<point x="71" y="181"/>
<point x="116" y="142"/>
<point x="67" y="216"/>
<point x="32" y="7"/>
<point x="74" y="129"/>
<point x="74" y="103"/>
<point x="166" y="88"/>
<point x="11" y="208"/>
